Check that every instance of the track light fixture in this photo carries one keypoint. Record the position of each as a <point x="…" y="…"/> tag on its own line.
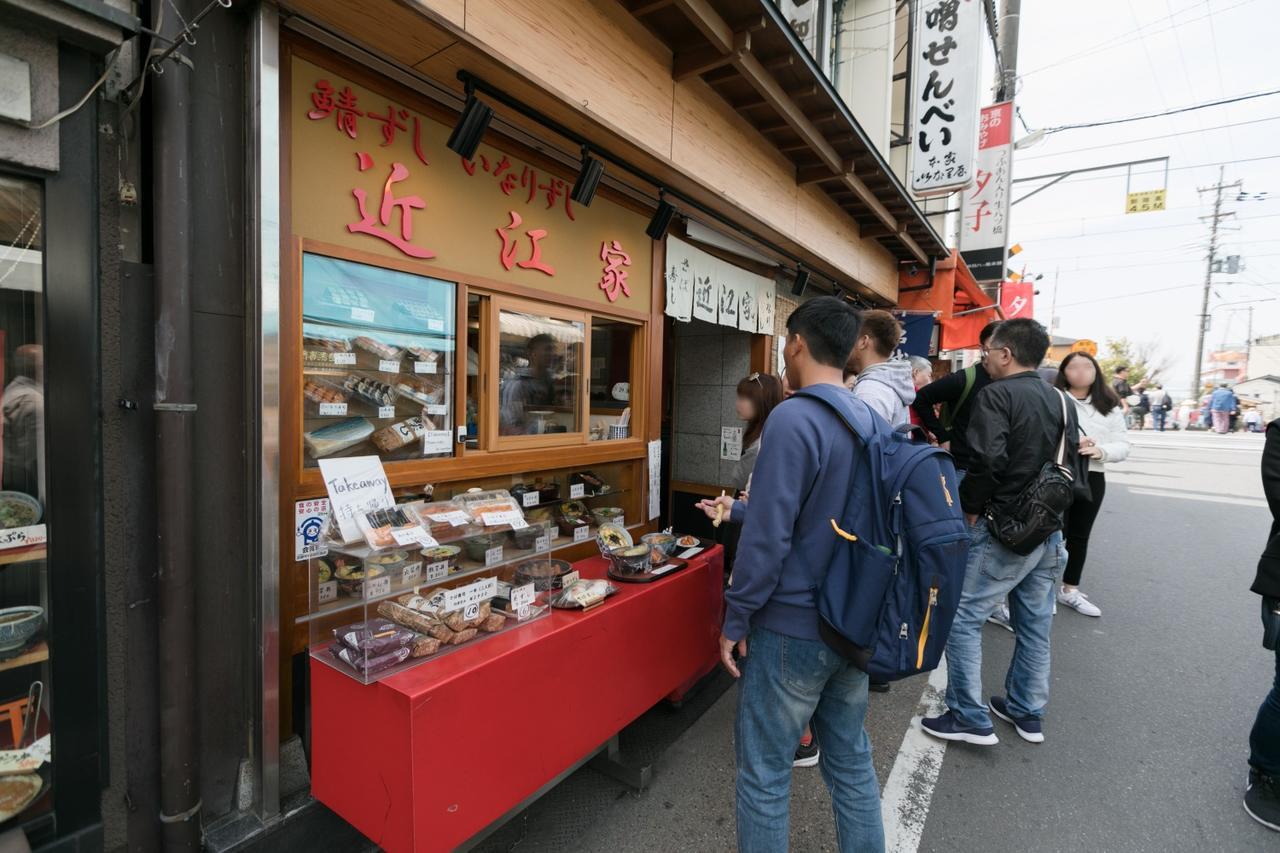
<point x="471" y="126"/>
<point x="584" y="189"/>
<point x="661" y="220"/>
<point x="801" y="282"/>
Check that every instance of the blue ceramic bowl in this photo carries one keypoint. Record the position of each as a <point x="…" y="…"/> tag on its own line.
<point x="17" y="626"/>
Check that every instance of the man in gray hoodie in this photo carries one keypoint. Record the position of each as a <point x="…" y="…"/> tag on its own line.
<point x="882" y="384"/>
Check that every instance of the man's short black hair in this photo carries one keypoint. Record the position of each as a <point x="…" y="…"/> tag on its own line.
<point x="829" y="326"/>
<point x="987" y="331"/>
<point x="1027" y="341"/>
<point x="1123" y="368"/>
<point x="540" y="339"/>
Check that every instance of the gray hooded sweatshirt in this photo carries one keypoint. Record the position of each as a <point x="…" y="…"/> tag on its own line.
<point x="887" y="388"/>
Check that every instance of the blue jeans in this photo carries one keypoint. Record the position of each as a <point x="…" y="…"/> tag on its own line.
<point x="1157" y="419"/>
<point x="1264" y="740"/>
<point x="785" y="681"/>
<point x="1030" y="582"/>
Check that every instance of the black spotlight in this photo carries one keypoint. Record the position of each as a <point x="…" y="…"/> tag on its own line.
<point x="661" y="220"/>
<point x="584" y="189"/>
<point x="470" y="128"/>
<point x="801" y="282"/>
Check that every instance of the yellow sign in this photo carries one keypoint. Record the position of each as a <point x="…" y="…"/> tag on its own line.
<point x="1085" y="345"/>
<point x="1146" y="201"/>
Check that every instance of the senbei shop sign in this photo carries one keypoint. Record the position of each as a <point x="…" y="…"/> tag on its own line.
<point x="944" y="98"/>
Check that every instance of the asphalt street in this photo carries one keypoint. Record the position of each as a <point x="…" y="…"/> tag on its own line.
<point x="1147" y="724"/>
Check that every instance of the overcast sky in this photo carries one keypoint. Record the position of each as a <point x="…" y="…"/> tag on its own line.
<point x="1091" y="60"/>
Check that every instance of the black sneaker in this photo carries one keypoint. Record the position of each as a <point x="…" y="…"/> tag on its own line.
<point x="1262" y="799"/>
<point x="806" y="756"/>
<point x="878" y="686"/>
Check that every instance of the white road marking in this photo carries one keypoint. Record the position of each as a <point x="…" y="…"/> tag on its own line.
<point x="904" y="802"/>
<point x="1217" y="499"/>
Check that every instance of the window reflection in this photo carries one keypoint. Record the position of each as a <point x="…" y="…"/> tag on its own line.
<point x="611" y="348"/>
<point x="539" y="363"/>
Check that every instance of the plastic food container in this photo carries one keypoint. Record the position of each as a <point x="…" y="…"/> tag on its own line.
<point x="477" y="546"/>
<point x="543" y="572"/>
<point x="608" y="515"/>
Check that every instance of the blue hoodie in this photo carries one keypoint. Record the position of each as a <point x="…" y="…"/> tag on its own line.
<point x="800" y="482"/>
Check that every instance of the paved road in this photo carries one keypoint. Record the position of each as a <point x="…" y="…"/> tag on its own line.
<point x="1147" y="726"/>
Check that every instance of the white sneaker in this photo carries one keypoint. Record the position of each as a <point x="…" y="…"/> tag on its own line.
<point x="1001" y="616"/>
<point x="1079" y="602"/>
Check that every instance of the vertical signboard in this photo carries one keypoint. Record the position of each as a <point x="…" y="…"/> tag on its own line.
<point x="984" y="221"/>
<point x="944" y="99"/>
<point x="810" y="20"/>
<point x="1017" y="300"/>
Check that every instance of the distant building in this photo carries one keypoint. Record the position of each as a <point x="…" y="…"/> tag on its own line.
<point x="1264" y="357"/>
<point x="1225" y="366"/>
<point x="1264" y="391"/>
<point x="1059" y="347"/>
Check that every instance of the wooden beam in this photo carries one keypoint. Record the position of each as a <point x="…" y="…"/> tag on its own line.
<point x="720" y="74"/>
<point x="700" y="60"/>
<point x="875" y="231"/>
<point x="708" y="21"/>
<point x="778" y="63"/>
<point x="764" y="83"/>
<point x="913" y="247"/>
<point x="868" y="198"/>
<point x="749" y="24"/>
<point x="820" y="172"/>
<point x="645" y="7"/>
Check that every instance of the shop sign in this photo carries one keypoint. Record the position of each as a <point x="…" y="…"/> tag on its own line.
<point x="944" y="103"/>
<point x="356" y="485"/>
<point x="23" y="537"/>
<point x="1147" y="201"/>
<point x="703" y="287"/>
<point x="1085" y="345"/>
<point x="917" y="335"/>
<point x="731" y="443"/>
<point x="1017" y="300"/>
<point x="309" y="520"/>
<point x="984" y="209"/>
<point x="655" y="478"/>
<point x="370" y="173"/>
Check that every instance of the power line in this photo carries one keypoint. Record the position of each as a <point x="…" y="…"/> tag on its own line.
<point x="1176" y="111"/>
<point x="1164" y="289"/>
<point x="1115" y="215"/>
<point x="1143" y="228"/>
<point x="1149" y="138"/>
<point x="1171" y="169"/>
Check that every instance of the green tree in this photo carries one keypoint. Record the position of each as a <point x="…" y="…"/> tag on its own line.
<point x="1145" y="361"/>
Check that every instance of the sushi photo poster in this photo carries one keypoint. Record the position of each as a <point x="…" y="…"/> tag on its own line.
<point x="356" y="485"/>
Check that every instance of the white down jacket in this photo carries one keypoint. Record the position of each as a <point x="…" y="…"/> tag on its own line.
<point x="1108" y="431"/>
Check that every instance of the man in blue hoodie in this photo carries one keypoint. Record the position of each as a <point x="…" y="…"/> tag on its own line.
<point x="788" y="674"/>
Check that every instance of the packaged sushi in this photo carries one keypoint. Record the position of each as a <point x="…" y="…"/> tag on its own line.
<point x="335" y="437"/>
<point x="377" y="348"/>
<point x="378" y="393"/>
<point x="399" y="435"/>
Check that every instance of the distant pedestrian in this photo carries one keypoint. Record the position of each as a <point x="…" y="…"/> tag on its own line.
<point x="1140" y="406"/>
<point x="788" y="674"/>
<point x="1222" y="405"/>
<point x="943" y="405"/>
<point x="1102" y="440"/>
<point x="1253" y="420"/>
<point x="1262" y="796"/>
<point x="1120" y="384"/>
<point x="883" y="383"/>
<point x="1160" y="402"/>
<point x="1019" y="423"/>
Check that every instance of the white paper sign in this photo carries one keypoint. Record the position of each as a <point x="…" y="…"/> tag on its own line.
<point x="706" y="290"/>
<point x="437" y="409"/>
<point x="344" y="358"/>
<point x="424" y="367"/>
<point x="413" y="536"/>
<point x="411" y="573"/>
<point x="437" y="571"/>
<point x="472" y="593"/>
<point x="766" y="293"/>
<point x="388" y="366"/>
<point x="362" y="315"/>
<point x="731" y="443"/>
<point x="333" y="409"/>
<point x="530" y="499"/>
<point x="507" y="516"/>
<point x="386" y="411"/>
<point x="523" y="614"/>
<point x="493" y="556"/>
<point x="435" y="325"/>
<point x="662" y="570"/>
<point x="437" y="442"/>
<point x="679" y="279"/>
<point x="577" y="490"/>
<point x="746" y="302"/>
<point x="684" y="555"/>
<point x="457" y="518"/>
<point x="522" y="596"/>
<point x="326" y="592"/>
<point x="655" y="478"/>
<point x="569" y="580"/>
<point x="542" y="543"/>
<point x="581" y="534"/>
<point x="309" y="520"/>
<point x="356" y="485"/>
<point x="728" y="294"/>
<point x="948" y="45"/>
<point x="375" y="587"/>
<point x="471" y="611"/>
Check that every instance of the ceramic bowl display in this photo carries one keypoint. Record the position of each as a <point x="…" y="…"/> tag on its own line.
<point x="631" y="561"/>
<point x="543" y="572"/>
<point x="17" y="626"/>
<point x="663" y="544"/>
<point x="477" y="546"/>
<point x="608" y="514"/>
<point x="611" y="537"/>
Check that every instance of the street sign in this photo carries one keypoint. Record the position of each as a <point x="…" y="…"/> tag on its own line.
<point x="1147" y="201"/>
<point x="1085" y="345"/>
<point x="947" y="45"/>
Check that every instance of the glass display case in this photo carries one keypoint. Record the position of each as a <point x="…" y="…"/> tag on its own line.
<point x="378" y="350"/>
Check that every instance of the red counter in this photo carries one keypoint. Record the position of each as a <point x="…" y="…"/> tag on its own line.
<point x="427" y="758"/>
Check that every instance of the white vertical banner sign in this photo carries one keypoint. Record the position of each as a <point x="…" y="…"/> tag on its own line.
<point x="706" y="287"/>
<point x="984" y="207"/>
<point x="944" y="98"/>
<point x="655" y="479"/>
<point x="748" y="307"/>
<point x="729" y="287"/>
<point x="679" y="279"/>
<point x="765" y="297"/>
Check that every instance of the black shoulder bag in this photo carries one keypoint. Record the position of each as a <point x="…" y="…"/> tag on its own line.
<point x="1036" y="514"/>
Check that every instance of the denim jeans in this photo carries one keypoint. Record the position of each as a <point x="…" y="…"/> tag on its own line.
<point x="1157" y="419"/>
<point x="785" y="681"/>
<point x="1030" y="583"/>
<point x="1264" y="740"/>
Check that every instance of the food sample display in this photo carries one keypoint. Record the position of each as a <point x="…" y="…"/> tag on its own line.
<point x="377" y="353"/>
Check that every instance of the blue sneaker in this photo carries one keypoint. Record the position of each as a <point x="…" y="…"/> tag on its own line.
<point x="1029" y="728"/>
<point x="948" y="728"/>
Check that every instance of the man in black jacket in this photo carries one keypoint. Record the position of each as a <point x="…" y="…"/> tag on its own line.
<point x="957" y="402"/>
<point x="1017" y="425"/>
<point x="1262" y="798"/>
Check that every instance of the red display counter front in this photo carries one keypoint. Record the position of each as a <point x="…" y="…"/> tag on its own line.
<point x="426" y="759"/>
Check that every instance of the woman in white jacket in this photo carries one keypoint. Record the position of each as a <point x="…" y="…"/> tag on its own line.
<point x="1103" y="440"/>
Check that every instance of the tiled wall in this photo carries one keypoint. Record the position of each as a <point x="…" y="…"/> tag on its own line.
<point x="710" y="360"/>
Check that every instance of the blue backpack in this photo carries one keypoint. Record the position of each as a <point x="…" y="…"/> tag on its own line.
<point x="891" y="591"/>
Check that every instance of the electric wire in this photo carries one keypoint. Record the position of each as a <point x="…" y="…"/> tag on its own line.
<point x="1024" y="159"/>
<point x="1235" y="100"/>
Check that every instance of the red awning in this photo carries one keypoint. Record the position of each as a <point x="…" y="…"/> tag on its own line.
<point x="954" y="296"/>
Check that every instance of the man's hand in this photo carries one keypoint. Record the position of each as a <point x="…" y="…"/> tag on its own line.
<point x="708" y="505"/>
<point x="971" y="520"/>
<point x="726" y="654"/>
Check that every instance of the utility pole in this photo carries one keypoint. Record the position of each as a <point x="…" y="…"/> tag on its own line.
<point x="1217" y="217"/>
<point x="1248" y="343"/>
<point x="1007" y="69"/>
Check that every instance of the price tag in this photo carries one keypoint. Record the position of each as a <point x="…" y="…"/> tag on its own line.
<point x="689" y="553"/>
<point x="437" y="442"/>
<point x="375" y="587"/>
<point x="435" y="325"/>
<point x="344" y="358"/>
<point x="506" y="516"/>
<point x="569" y="580"/>
<point x="333" y="409"/>
<point x="386" y="411"/>
<point x="542" y="543"/>
<point x="530" y="499"/>
<point x="581" y="534"/>
<point x="437" y="409"/>
<point x="662" y="570"/>
<point x="524" y="613"/>
<point x="412" y="572"/>
<point x="577" y="490"/>
<point x="584" y="597"/>
<point x="522" y="596"/>
<point x="457" y="518"/>
<point x="327" y="592"/>
<point x="518" y="523"/>
<point x="413" y="536"/>
<point x="437" y="571"/>
<point x="471" y="611"/>
<point x="424" y="367"/>
<point x="362" y="315"/>
<point x="493" y="556"/>
<point x="472" y="593"/>
<point x="386" y="365"/>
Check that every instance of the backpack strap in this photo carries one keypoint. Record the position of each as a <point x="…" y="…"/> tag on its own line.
<point x="1062" y="442"/>
<point x="950" y="410"/>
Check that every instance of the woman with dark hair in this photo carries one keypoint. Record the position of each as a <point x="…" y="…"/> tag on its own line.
<point x="1102" y="439"/>
<point x="758" y="394"/>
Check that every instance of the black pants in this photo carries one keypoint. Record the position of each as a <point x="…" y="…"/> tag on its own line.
<point x="1079" y="525"/>
<point x="1264" y="740"/>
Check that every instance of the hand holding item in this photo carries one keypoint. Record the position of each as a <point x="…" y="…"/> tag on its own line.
<point x="1091" y="451"/>
<point x="1085" y="443"/>
<point x="726" y="654"/>
<point x="716" y="508"/>
<point x="742" y="496"/>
